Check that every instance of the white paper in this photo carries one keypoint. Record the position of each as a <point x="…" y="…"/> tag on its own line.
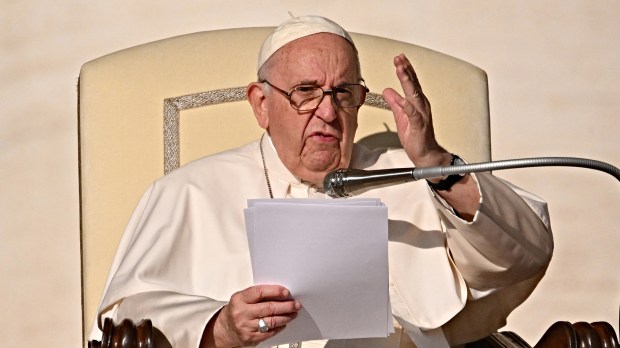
<point x="332" y="256"/>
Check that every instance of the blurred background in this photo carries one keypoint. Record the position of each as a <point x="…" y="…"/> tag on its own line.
<point x="554" y="91"/>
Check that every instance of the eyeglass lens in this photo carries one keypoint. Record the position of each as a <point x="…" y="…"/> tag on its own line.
<point x="305" y="98"/>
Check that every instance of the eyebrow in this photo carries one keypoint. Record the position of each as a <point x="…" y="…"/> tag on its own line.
<point x="309" y="82"/>
<point x="316" y="83"/>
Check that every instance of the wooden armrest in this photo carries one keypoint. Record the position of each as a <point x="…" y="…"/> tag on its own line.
<point x="562" y="334"/>
<point x="581" y="334"/>
<point x="505" y="339"/>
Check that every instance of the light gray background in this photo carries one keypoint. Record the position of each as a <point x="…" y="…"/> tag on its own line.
<point x="553" y="72"/>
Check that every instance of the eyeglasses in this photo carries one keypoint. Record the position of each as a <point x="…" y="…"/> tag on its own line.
<point x="308" y="97"/>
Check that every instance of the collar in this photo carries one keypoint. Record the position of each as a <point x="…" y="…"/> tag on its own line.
<point x="283" y="182"/>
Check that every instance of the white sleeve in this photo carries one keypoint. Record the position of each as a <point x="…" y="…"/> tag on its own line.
<point x="181" y="318"/>
<point x="508" y="241"/>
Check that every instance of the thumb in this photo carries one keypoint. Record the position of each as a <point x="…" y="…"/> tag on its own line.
<point x="391" y="98"/>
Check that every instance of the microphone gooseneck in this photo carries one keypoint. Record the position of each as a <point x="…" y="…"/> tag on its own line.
<point x="350" y="182"/>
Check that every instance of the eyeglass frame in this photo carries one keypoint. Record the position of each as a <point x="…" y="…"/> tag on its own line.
<point x="331" y="92"/>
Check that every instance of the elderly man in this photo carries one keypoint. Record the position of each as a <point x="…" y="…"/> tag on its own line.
<point x="183" y="261"/>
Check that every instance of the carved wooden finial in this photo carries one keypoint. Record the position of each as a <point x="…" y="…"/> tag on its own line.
<point x="578" y="335"/>
<point x="129" y="335"/>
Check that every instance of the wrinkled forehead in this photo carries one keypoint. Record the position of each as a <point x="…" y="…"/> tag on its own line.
<point x="321" y="49"/>
<point x="322" y="57"/>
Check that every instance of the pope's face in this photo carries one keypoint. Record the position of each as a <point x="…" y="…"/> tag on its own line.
<point x="310" y="144"/>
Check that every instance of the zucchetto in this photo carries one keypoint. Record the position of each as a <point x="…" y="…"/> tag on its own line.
<point x="296" y="28"/>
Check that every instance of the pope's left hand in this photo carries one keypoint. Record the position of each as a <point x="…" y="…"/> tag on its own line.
<point x="413" y="117"/>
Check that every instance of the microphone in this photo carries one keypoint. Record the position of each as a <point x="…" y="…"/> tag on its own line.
<point x="350" y="182"/>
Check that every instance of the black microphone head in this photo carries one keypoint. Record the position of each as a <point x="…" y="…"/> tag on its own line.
<point x="334" y="184"/>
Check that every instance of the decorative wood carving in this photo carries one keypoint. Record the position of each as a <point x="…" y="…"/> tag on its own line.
<point x="579" y="335"/>
<point x="129" y="335"/>
<point x="562" y="334"/>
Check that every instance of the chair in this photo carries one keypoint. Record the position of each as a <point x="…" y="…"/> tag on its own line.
<point x="560" y="335"/>
<point x="145" y="110"/>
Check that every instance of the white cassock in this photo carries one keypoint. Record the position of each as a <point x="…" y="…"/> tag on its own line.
<point x="185" y="250"/>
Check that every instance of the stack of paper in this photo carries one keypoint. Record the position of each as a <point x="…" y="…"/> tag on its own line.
<point x="332" y="256"/>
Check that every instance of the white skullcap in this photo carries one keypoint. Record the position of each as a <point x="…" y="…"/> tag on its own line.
<point x="296" y="28"/>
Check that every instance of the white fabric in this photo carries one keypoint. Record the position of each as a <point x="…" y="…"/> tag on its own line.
<point x="184" y="252"/>
<point x="296" y="28"/>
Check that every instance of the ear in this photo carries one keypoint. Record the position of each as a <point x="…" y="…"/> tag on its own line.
<point x="257" y="100"/>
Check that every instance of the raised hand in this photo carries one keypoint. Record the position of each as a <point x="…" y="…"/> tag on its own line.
<point x="414" y="124"/>
<point x="413" y="117"/>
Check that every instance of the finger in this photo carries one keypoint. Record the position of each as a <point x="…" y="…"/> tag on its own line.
<point x="399" y="105"/>
<point x="245" y="329"/>
<point x="395" y="101"/>
<point x="405" y="75"/>
<point x="257" y="337"/>
<point x="262" y="301"/>
<point x="253" y="337"/>
<point x="275" y="325"/>
<point x="408" y="77"/>
<point x="416" y="106"/>
<point x="273" y="308"/>
<point x="260" y="293"/>
<point x="277" y="321"/>
<point x="411" y="72"/>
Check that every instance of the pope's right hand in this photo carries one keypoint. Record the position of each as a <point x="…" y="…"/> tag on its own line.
<point x="236" y="324"/>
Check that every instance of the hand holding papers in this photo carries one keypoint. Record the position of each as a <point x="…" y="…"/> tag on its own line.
<point x="332" y="256"/>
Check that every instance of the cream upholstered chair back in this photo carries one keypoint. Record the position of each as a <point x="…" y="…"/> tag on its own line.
<point x="146" y="110"/>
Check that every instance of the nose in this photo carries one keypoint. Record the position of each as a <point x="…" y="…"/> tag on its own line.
<point x="327" y="108"/>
